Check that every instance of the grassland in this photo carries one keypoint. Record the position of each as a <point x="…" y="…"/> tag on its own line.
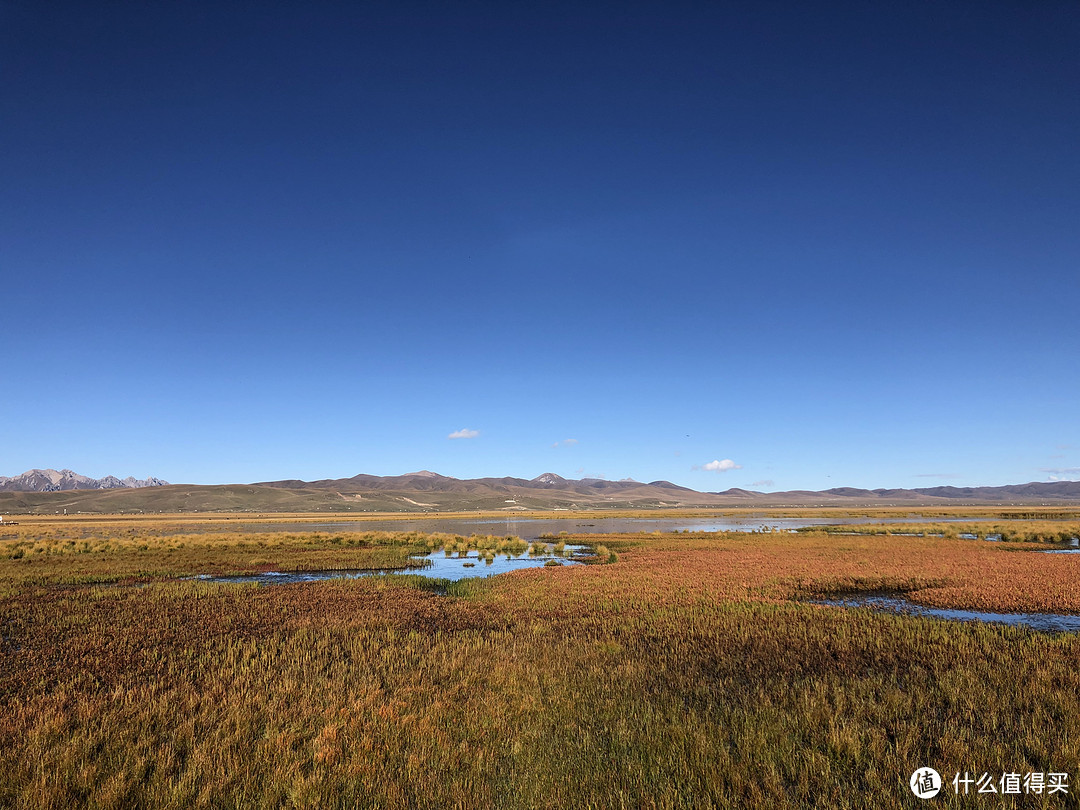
<point x="202" y="520"/>
<point x="686" y="673"/>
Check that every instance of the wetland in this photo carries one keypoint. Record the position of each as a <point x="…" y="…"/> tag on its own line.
<point x="670" y="669"/>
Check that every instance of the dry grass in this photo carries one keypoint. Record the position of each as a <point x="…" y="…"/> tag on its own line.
<point x="682" y="675"/>
<point x="1017" y="531"/>
<point x="942" y="572"/>
<point x="83" y="553"/>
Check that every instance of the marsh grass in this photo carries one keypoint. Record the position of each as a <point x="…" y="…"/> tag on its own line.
<point x="1035" y="531"/>
<point x="681" y="676"/>
<point x="91" y="554"/>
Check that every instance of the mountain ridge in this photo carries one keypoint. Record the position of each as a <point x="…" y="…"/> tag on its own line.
<point x="425" y="491"/>
<point x="50" y="480"/>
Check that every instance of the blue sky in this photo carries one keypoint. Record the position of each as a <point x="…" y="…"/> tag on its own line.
<point x="832" y="244"/>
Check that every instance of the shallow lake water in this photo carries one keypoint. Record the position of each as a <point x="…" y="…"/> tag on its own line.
<point x="1045" y="622"/>
<point x="532" y="528"/>
<point x="436" y="565"/>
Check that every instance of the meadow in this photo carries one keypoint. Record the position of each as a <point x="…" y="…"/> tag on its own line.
<point x="676" y="670"/>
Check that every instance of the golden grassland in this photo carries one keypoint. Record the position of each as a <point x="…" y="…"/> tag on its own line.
<point x="687" y="673"/>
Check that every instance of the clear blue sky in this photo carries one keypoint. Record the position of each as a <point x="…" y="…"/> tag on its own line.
<point x="833" y="243"/>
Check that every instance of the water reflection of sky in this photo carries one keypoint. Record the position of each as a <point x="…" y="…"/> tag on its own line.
<point x="436" y="565"/>
<point x="1045" y="622"/>
<point x="532" y="528"/>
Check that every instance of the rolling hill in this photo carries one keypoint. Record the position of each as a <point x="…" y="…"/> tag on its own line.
<point x="426" y="491"/>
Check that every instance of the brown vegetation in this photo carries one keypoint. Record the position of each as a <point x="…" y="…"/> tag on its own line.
<point x="682" y="675"/>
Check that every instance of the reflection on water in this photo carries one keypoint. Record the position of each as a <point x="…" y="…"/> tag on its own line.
<point x="437" y="565"/>
<point x="1045" y="622"/>
<point x="532" y="528"/>
<point x="1074" y="547"/>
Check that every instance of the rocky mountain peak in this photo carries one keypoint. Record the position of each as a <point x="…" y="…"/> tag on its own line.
<point x="549" y="479"/>
<point x="50" y="480"/>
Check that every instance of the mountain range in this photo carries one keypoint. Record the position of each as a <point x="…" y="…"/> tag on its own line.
<point x="48" y="491"/>
<point x="63" y="480"/>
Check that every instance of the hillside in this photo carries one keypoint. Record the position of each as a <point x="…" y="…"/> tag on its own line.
<point x="426" y="491"/>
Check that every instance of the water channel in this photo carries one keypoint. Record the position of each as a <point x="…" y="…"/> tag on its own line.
<point x="883" y="603"/>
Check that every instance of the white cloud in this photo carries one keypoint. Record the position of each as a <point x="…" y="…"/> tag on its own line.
<point x="718" y="466"/>
<point x="566" y="443"/>
<point x="764" y="482"/>
<point x="464" y="433"/>
<point x="1061" y="473"/>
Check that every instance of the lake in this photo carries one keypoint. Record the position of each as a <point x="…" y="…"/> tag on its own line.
<point x="532" y="528"/>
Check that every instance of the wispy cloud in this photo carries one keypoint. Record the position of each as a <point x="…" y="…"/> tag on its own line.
<point x="718" y="466"/>
<point x="565" y="443"/>
<point x="464" y="433"/>
<point x="1061" y="473"/>
<point x="764" y="482"/>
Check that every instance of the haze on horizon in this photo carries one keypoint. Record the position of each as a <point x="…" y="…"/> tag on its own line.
<point x="761" y="245"/>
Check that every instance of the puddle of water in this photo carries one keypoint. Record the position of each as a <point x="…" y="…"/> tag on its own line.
<point x="436" y="565"/>
<point x="1044" y="622"/>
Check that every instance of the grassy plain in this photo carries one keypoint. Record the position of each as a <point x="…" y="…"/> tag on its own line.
<point x="203" y="519"/>
<point x="687" y="673"/>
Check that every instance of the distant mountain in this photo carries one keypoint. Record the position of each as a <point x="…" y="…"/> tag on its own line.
<point x="49" y="491"/>
<point x="550" y="490"/>
<point x="1035" y="492"/>
<point x="63" y="480"/>
<point x="549" y="479"/>
<point x="546" y="491"/>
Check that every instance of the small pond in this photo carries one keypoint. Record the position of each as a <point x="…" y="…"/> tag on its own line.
<point x="437" y="565"/>
<point x="1044" y="622"/>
